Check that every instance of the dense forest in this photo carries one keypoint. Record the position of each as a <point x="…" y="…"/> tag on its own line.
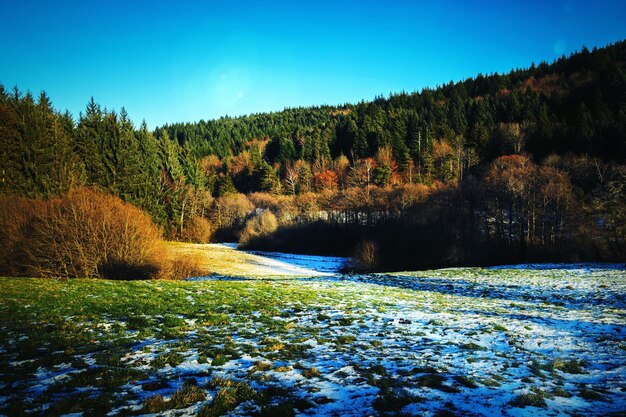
<point x="523" y="166"/>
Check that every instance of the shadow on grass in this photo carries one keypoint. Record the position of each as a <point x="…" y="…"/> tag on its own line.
<point x="564" y="297"/>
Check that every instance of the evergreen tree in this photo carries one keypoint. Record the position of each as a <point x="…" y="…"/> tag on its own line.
<point x="37" y="148"/>
<point x="87" y="139"/>
<point x="361" y="149"/>
<point x="382" y="175"/>
<point x="131" y="175"/>
<point x="268" y="180"/>
<point x="225" y="186"/>
<point x="150" y="193"/>
<point x="168" y="154"/>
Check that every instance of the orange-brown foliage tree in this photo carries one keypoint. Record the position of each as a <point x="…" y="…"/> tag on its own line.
<point x="326" y="180"/>
<point x="529" y="203"/>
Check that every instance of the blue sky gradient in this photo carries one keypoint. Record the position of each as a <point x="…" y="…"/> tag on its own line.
<point x="185" y="61"/>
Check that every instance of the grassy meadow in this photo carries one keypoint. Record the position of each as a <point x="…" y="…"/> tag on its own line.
<point x="448" y="342"/>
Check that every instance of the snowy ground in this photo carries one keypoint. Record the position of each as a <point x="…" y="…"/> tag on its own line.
<point x="223" y="259"/>
<point x="326" y="265"/>
<point x="533" y="340"/>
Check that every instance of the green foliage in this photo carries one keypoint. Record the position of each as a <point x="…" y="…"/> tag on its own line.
<point x="225" y="186"/>
<point x="267" y="178"/>
<point x="574" y="105"/>
<point x="382" y="175"/>
<point x="280" y="150"/>
<point x="37" y="154"/>
<point x="583" y="118"/>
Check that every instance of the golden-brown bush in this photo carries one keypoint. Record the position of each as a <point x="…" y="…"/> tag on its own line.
<point x="90" y="234"/>
<point x="259" y="225"/>
<point x="409" y="195"/>
<point x="183" y="265"/>
<point x="197" y="230"/>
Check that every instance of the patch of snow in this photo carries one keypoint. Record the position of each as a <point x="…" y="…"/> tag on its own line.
<point x="230" y="245"/>
<point x="366" y="335"/>
<point x="324" y="264"/>
<point x="584" y="267"/>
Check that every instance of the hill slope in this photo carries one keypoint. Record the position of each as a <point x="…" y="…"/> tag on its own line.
<point x="530" y="161"/>
<point x="576" y="104"/>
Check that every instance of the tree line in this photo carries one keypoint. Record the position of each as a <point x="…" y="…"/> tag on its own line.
<point x="524" y="160"/>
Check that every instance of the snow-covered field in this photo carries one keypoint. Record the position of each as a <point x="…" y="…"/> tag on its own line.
<point x="506" y="341"/>
<point x="312" y="264"/>
<point x="326" y="265"/>
<point x="223" y="259"/>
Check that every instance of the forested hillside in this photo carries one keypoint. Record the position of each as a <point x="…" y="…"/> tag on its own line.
<point x="572" y="105"/>
<point x="528" y="163"/>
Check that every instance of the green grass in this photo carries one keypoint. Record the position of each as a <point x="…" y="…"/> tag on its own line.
<point x="212" y="347"/>
<point x="47" y="323"/>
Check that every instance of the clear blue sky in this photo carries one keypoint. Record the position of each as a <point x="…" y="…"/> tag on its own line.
<point x="170" y="61"/>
